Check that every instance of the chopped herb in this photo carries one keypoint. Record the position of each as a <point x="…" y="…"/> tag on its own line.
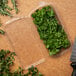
<point x="14" y="5"/>
<point x="2" y="32"/>
<point x="0" y="24"/>
<point x="50" y="31"/>
<point x="4" y="7"/>
<point x="6" y="61"/>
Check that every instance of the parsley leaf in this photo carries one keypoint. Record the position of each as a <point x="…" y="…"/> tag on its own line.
<point x="50" y="30"/>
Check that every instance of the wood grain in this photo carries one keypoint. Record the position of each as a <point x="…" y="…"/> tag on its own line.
<point x="59" y="66"/>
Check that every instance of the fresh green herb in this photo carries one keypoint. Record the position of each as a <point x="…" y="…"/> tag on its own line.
<point x="6" y="61"/>
<point x="0" y="23"/>
<point x="33" y="71"/>
<point x="50" y="31"/>
<point x="2" y="32"/>
<point x="14" y="5"/>
<point x="4" y="7"/>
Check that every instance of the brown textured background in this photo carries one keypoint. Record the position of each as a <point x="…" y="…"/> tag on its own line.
<point x="67" y="10"/>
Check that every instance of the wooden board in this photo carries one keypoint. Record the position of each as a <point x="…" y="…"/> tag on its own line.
<point x="59" y="66"/>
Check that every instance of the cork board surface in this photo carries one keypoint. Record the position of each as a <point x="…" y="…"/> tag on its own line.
<point x="59" y="66"/>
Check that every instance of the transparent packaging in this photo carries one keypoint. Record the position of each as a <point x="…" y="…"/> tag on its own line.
<point x="25" y="41"/>
<point x="59" y="18"/>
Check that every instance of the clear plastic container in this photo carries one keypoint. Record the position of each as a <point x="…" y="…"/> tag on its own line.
<point x="59" y="18"/>
<point x="34" y="52"/>
<point x="25" y="42"/>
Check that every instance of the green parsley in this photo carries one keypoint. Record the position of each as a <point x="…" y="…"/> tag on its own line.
<point x="50" y="30"/>
<point x="6" y="61"/>
<point x="2" y="32"/>
<point x="5" y="9"/>
<point x="14" y="5"/>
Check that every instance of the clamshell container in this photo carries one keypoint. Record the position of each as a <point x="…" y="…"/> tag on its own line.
<point x="59" y="18"/>
<point x="25" y="40"/>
